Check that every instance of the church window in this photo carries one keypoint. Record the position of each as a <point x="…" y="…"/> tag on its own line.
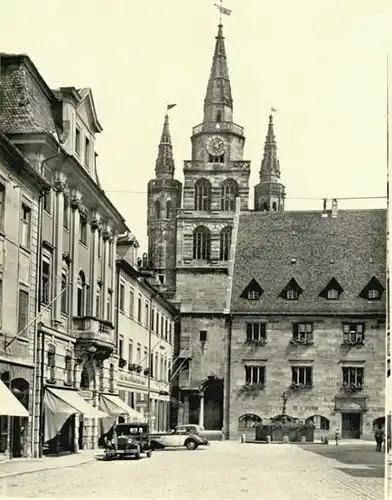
<point x="201" y="243"/>
<point x="252" y="291"/>
<point x="291" y="291"/>
<point x="219" y="116"/>
<point x="229" y="193"/>
<point x="203" y="195"/>
<point x="373" y="290"/>
<point x="216" y="159"/>
<point x="332" y="291"/>
<point x="157" y="209"/>
<point x="225" y="242"/>
<point x="168" y="209"/>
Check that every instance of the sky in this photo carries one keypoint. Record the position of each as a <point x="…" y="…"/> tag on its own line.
<point x="322" y="65"/>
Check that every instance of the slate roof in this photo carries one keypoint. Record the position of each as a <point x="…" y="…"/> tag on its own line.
<point x="350" y="248"/>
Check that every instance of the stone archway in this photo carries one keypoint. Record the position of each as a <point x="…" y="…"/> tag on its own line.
<point x="212" y="394"/>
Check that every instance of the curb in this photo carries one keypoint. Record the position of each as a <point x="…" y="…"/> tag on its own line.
<point x="49" y="467"/>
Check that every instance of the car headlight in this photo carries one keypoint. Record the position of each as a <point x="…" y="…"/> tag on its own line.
<point x="130" y="441"/>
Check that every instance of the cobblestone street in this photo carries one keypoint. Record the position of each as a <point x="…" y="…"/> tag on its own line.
<point x="226" y="470"/>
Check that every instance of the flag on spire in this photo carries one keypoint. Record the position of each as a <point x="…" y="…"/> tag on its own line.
<point x="170" y="106"/>
<point x="273" y="110"/>
<point x="223" y="10"/>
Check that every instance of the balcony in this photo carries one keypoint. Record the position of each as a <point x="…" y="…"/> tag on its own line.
<point x="218" y="127"/>
<point x="94" y="333"/>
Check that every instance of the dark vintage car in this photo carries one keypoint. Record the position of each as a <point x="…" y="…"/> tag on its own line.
<point x="129" y="440"/>
<point x="188" y="436"/>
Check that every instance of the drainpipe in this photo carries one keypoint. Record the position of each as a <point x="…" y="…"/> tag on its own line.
<point x="226" y="398"/>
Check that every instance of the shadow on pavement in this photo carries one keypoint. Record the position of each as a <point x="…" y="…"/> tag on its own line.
<point x="373" y="472"/>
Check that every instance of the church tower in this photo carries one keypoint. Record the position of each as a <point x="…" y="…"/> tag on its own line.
<point x="214" y="178"/>
<point x="270" y="192"/>
<point x="163" y="201"/>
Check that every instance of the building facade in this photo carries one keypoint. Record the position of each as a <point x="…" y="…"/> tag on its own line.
<point x="145" y="326"/>
<point x="21" y="190"/>
<point x="211" y="350"/>
<point x="78" y="226"/>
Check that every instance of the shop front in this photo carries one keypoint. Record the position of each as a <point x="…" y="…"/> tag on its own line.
<point x="15" y="422"/>
<point x="64" y="414"/>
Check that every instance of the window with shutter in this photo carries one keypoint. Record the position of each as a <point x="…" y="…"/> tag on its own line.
<point x="23" y="312"/>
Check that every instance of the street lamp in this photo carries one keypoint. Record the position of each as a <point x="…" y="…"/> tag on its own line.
<point x="284" y="398"/>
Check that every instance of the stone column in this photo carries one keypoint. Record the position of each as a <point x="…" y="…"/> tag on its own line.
<point x="58" y="215"/>
<point x="201" y="409"/>
<point x="74" y="244"/>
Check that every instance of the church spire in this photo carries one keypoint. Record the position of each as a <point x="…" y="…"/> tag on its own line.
<point x="164" y="165"/>
<point x="270" y="170"/>
<point x="218" y="103"/>
<point x="270" y="192"/>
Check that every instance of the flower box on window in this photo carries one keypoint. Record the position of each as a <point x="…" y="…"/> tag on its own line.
<point x="122" y="362"/>
<point x="296" y="341"/>
<point x="252" y="388"/>
<point x="256" y="342"/>
<point x="146" y="371"/>
<point x="352" y="387"/>
<point x="352" y="343"/>
<point x="139" y="368"/>
<point x="297" y="387"/>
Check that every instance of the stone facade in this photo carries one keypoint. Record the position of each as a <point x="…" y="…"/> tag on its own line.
<point x="20" y="198"/>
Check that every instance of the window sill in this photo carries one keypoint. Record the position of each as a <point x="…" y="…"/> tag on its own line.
<point x="48" y="213"/>
<point x="26" y="249"/>
<point x="51" y="381"/>
<point x="68" y="384"/>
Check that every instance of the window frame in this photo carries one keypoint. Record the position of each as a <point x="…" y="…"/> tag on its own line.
<point x="64" y="307"/>
<point x="46" y="279"/>
<point x="25" y="225"/>
<point x="121" y="298"/>
<point x="255" y="374"/>
<point x="83" y="229"/>
<point x="355" y="373"/>
<point x="303" y="372"/>
<point x="22" y="326"/>
<point x="353" y="332"/>
<point x="255" y="331"/>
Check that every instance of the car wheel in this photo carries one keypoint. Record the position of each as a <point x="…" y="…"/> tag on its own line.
<point x="149" y="453"/>
<point x="138" y="453"/>
<point x="191" y="444"/>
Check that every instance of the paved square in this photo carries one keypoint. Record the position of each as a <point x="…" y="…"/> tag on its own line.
<point x="225" y="470"/>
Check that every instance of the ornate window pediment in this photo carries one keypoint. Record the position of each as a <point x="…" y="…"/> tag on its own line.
<point x="373" y="290"/>
<point x="332" y="291"/>
<point x="291" y="291"/>
<point x="252" y="291"/>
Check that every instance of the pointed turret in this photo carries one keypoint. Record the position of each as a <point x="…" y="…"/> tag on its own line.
<point x="218" y="103"/>
<point x="270" y="193"/>
<point x="270" y="171"/>
<point x="164" y="165"/>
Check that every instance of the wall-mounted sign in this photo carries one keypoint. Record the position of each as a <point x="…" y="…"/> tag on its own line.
<point x="131" y="379"/>
<point x="86" y="394"/>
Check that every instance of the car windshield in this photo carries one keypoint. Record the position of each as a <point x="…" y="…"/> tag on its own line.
<point x="125" y="430"/>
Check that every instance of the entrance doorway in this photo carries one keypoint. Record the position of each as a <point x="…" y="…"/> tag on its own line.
<point x="213" y="405"/>
<point x="351" y="425"/>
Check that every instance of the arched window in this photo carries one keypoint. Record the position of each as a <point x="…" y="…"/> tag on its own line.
<point x="274" y="207"/>
<point x="202" y="195"/>
<point x="157" y="209"/>
<point x="229" y="193"/>
<point x="201" y="243"/>
<point x="225" y="242"/>
<point x="81" y="294"/>
<point x="264" y="207"/>
<point x="168" y="209"/>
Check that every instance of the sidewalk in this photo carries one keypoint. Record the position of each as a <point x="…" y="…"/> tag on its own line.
<point x="19" y="466"/>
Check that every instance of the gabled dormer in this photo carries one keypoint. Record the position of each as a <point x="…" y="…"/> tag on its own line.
<point x="80" y="125"/>
<point x="332" y="291"/>
<point x="291" y="291"/>
<point x="252" y="291"/>
<point x="373" y="290"/>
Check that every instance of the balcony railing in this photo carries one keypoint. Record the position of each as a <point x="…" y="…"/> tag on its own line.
<point x="97" y="331"/>
<point x="218" y="127"/>
<point x="232" y="165"/>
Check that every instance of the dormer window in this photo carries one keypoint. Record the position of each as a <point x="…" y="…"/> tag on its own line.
<point x="291" y="291"/>
<point x="332" y="291"/>
<point x="253" y="291"/>
<point x="373" y="290"/>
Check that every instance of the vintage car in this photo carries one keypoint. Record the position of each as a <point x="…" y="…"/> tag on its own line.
<point x="129" y="440"/>
<point x="182" y="435"/>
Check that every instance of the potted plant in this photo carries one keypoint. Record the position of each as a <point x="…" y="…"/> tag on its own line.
<point x="139" y="368"/>
<point x="256" y="342"/>
<point x="146" y="371"/>
<point x="122" y="362"/>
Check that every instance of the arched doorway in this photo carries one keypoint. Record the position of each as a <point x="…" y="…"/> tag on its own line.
<point x="213" y="404"/>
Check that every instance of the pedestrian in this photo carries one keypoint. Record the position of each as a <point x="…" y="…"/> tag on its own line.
<point x="337" y="437"/>
<point x="379" y="437"/>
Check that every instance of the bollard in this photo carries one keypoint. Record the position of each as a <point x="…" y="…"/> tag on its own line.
<point x="322" y="439"/>
<point x="243" y="438"/>
<point x="268" y="439"/>
<point x="326" y="440"/>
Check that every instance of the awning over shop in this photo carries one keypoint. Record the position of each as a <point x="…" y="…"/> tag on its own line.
<point x="69" y="402"/>
<point x="60" y="404"/>
<point x="9" y="405"/>
<point x="115" y="406"/>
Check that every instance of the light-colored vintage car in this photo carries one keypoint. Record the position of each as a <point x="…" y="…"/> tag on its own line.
<point x="187" y="436"/>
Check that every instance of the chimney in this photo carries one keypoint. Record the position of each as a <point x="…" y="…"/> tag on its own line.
<point x="334" y="211"/>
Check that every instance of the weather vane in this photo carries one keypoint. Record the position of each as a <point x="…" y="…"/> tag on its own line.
<point x="222" y="10"/>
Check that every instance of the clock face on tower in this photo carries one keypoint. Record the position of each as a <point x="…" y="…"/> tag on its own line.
<point x="215" y="146"/>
